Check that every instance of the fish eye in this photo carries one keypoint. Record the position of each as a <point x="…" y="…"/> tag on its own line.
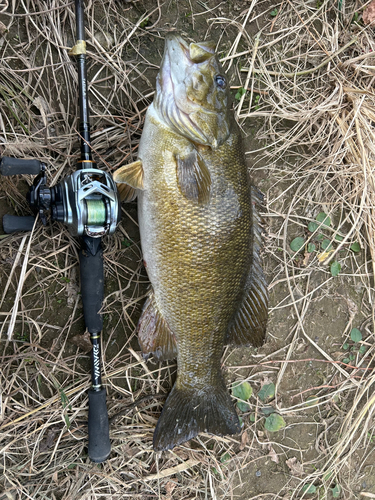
<point x="220" y="81"/>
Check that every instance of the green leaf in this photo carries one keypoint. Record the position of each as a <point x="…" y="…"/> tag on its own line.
<point x="309" y="489"/>
<point x="243" y="406"/>
<point x="267" y="392"/>
<point x="355" y="247"/>
<point x="362" y="350"/>
<point x="346" y="361"/>
<point x="312" y="227"/>
<point x="345" y="346"/>
<point x="240" y="92"/>
<point x="67" y="421"/>
<point x="326" y="244"/>
<point x="274" y="12"/>
<point x="311" y="248"/>
<point x="252" y="417"/>
<point x="274" y="423"/>
<point x="320" y="237"/>
<point x="336" y="491"/>
<point x="356" y="335"/>
<point x="312" y="401"/>
<point x="327" y="476"/>
<point x="145" y="22"/>
<point x="242" y="391"/>
<point x="323" y="217"/>
<point x="64" y="398"/>
<point x="335" y="268"/>
<point x="224" y="458"/>
<point x="267" y="410"/>
<point x="338" y="237"/>
<point x="355" y="17"/>
<point x="126" y="243"/>
<point x="297" y="244"/>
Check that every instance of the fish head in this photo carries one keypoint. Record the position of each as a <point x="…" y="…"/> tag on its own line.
<point x="192" y="92"/>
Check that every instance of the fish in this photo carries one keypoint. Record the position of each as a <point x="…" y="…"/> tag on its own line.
<point x="201" y="240"/>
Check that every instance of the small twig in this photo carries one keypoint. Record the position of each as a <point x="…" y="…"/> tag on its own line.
<point x="20" y="284"/>
<point x="277" y="15"/>
<point x="249" y="74"/>
<point x="116" y="416"/>
<point x="317" y="388"/>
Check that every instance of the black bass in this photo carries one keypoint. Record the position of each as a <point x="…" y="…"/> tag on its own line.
<point x="200" y="237"/>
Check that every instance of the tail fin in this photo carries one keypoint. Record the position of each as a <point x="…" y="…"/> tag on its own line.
<point x="187" y="412"/>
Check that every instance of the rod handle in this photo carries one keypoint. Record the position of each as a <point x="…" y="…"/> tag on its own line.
<point x="15" y="223"/>
<point x="99" y="443"/>
<point x="15" y="166"/>
<point x="92" y="285"/>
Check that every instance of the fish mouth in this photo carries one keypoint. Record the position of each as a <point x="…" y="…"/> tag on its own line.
<point x="175" y="46"/>
<point x="171" y="101"/>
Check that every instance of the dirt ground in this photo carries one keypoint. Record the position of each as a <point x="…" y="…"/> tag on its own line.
<point x="322" y="378"/>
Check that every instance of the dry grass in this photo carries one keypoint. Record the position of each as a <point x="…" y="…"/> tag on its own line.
<point x="312" y="67"/>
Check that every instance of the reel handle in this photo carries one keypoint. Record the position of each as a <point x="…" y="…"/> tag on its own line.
<point x="15" y="223"/>
<point x="15" y="166"/>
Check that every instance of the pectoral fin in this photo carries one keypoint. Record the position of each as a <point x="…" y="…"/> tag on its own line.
<point x="126" y="193"/>
<point x="194" y="179"/>
<point x="129" y="178"/>
<point x="154" y="334"/>
<point x="249" y="324"/>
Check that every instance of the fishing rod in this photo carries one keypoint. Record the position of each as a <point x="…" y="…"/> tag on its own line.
<point x="87" y="202"/>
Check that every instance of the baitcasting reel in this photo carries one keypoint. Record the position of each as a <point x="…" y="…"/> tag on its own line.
<point x="86" y="201"/>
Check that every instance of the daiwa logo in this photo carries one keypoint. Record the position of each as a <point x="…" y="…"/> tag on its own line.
<point x="95" y="353"/>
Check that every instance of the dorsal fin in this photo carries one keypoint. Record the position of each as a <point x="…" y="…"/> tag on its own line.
<point x="193" y="176"/>
<point x="154" y="335"/>
<point x="249" y="323"/>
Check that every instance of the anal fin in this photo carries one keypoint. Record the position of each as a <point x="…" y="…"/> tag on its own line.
<point x="154" y="335"/>
<point x="129" y="178"/>
<point x="250" y="321"/>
